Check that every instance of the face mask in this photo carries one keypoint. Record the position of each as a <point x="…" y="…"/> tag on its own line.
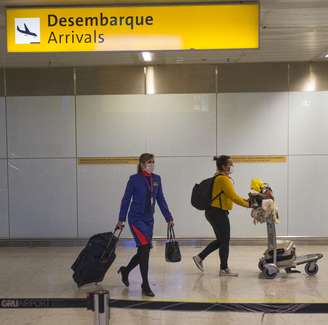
<point x="231" y="170"/>
<point x="149" y="168"/>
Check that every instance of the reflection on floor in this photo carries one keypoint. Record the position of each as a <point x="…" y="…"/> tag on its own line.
<point x="45" y="272"/>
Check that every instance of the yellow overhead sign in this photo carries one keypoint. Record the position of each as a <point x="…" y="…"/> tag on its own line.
<point x="170" y="27"/>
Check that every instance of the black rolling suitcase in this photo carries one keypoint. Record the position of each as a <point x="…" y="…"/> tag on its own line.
<point x="95" y="259"/>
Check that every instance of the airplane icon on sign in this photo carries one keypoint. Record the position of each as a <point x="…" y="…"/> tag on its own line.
<point x="26" y="31"/>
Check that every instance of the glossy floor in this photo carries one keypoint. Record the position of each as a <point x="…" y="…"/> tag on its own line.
<point x="45" y="272"/>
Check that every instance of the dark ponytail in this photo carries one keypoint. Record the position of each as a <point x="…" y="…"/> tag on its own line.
<point x="143" y="159"/>
<point x="221" y="161"/>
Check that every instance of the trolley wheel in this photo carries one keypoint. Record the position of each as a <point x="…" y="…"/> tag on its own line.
<point x="311" y="268"/>
<point x="270" y="271"/>
<point x="261" y="264"/>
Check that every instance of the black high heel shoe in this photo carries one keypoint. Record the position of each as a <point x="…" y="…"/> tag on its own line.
<point x="146" y="291"/>
<point x="124" y="275"/>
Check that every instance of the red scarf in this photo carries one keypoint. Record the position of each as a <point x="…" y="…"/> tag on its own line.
<point x="145" y="173"/>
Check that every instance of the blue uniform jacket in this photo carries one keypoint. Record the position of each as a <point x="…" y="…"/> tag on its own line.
<point x="138" y="190"/>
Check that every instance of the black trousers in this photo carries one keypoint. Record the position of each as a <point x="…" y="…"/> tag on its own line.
<point x="220" y="223"/>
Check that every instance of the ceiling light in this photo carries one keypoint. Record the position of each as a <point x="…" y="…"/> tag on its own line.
<point x="147" y="56"/>
<point x="310" y="84"/>
<point x="326" y="56"/>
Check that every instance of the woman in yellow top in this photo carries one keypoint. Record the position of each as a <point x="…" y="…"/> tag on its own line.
<point x="223" y="196"/>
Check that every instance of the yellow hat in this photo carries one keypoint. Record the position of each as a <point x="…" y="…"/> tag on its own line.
<point x="257" y="184"/>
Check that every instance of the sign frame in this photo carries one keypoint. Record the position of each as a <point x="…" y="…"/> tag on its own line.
<point x="185" y="4"/>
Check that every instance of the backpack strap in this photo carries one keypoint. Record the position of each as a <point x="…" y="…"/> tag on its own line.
<point x="219" y="195"/>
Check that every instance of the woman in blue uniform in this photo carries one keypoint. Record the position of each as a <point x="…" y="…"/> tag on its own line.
<point x="144" y="188"/>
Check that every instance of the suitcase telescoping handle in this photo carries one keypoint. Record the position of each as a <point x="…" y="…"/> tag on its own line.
<point x="105" y="254"/>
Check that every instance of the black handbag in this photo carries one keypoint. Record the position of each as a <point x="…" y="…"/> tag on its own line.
<point x="172" y="250"/>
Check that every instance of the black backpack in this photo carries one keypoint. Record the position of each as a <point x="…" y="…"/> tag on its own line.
<point x="201" y="196"/>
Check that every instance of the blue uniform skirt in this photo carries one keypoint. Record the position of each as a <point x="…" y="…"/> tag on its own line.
<point x="142" y="231"/>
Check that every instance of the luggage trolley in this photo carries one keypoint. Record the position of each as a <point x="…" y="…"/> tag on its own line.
<point x="280" y="254"/>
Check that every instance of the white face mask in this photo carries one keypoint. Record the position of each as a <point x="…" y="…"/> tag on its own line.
<point x="231" y="170"/>
<point x="149" y="168"/>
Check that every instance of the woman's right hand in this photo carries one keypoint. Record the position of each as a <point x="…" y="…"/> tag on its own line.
<point x="120" y="225"/>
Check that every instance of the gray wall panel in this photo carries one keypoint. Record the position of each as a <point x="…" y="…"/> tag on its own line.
<point x="306" y="76"/>
<point x="4" y="222"/>
<point x="190" y="128"/>
<point x="244" y="118"/>
<point x="308" y="116"/>
<point x="110" y="80"/>
<point x="41" y="126"/>
<point x="308" y="181"/>
<point x="42" y="198"/>
<point x="2" y="83"/>
<point x="185" y="79"/>
<point x="39" y="82"/>
<point x="253" y="77"/>
<point x="111" y="125"/>
<point x="3" y="127"/>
